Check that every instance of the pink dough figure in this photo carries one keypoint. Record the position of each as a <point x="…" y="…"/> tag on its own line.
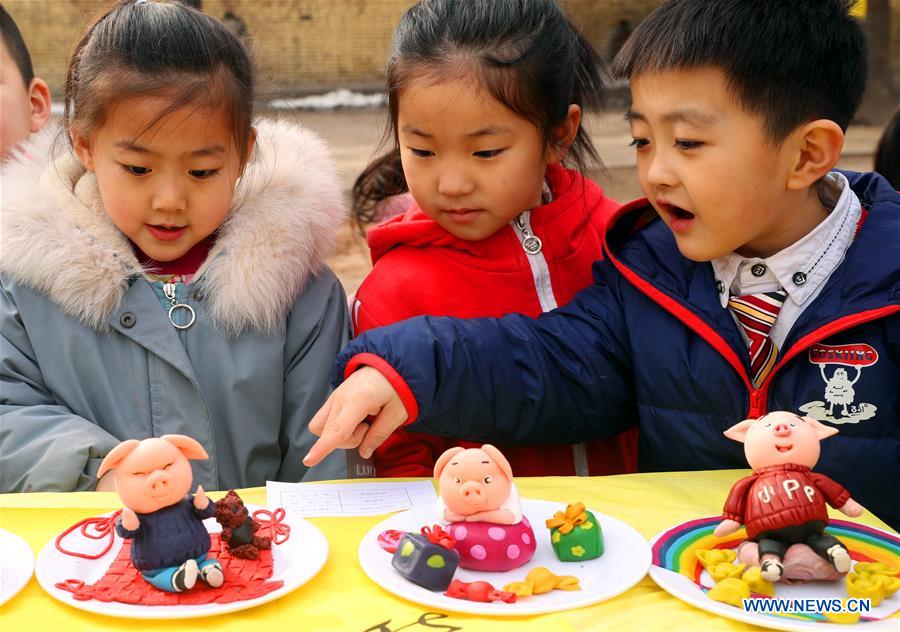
<point x="783" y="502"/>
<point x="165" y="523"/>
<point x="477" y="496"/>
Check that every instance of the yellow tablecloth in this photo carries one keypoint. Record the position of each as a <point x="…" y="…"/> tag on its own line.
<point x="341" y="597"/>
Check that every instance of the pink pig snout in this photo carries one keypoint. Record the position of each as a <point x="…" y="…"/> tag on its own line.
<point x="782" y="429"/>
<point x="159" y="483"/>
<point x="473" y="492"/>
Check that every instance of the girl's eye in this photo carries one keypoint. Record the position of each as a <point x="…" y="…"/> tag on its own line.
<point x="421" y="153"/>
<point x="687" y="144"/>
<point x="135" y="170"/>
<point x="488" y="153"/>
<point x="202" y="174"/>
<point x="639" y="143"/>
<point x="487" y="480"/>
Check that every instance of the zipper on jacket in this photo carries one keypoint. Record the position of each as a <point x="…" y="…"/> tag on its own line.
<point x="188" y="319"/>
<point x="540" y="271"/>
<point x="757" y="404"/>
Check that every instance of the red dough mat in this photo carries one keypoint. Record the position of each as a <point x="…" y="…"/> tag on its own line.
<point x="122" y="582"/>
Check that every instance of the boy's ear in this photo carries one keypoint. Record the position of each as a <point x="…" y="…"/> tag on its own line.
<point x="818" y="148"/>
<point x="39" y="94"/>
<point x="564" y="135"/>
<point x="82" y="147"/>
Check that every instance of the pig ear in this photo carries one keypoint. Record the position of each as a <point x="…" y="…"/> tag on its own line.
<point x="822" y="431"/>
<point x="444" y="459"/>
<point x="501" y="460"/>
<point x="115" y="457"/>
<point x="191" y="448"/>
<point x="738" y="431"/>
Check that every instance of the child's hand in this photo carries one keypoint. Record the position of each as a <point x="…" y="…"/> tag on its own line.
<point x="341" y="422"/>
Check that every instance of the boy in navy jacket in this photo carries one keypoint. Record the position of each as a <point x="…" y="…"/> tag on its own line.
<point x="738" y="115"/>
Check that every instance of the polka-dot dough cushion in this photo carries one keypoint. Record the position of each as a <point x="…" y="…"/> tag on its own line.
<point x="485" y="546"/>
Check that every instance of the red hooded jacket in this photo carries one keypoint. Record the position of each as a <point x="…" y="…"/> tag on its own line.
<point x="421" y="269"/>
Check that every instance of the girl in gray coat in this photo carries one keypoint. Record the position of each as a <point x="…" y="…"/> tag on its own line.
<point x="162" y="272"/>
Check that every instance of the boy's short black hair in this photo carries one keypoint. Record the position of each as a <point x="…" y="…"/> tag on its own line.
<point x="15" y="45"/>
<point x="790" y="62"/>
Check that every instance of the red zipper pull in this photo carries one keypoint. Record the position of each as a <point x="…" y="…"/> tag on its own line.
<point x="757" y="404"/>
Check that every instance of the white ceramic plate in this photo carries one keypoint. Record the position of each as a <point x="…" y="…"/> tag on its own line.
<point x="16" y="565"/>
<point x="673" y="551"/>
<point x="624" y="562"/>
<point x="295" y="562"/>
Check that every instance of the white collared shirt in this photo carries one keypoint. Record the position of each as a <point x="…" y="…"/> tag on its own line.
<point x="801" y="269"/>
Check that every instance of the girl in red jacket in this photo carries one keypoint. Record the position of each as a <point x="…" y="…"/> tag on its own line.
<point x="485" y="100"/>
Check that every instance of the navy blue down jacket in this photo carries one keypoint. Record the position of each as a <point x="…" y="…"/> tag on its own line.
<point x="649" y="344"/>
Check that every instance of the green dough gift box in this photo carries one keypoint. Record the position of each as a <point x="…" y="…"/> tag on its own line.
<point x="576" y="534"/>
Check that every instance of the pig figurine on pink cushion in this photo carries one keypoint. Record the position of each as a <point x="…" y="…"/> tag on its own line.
<point x="165" y="523"/>
<point x="477" y="496"/>
<point x="783" y="502"/>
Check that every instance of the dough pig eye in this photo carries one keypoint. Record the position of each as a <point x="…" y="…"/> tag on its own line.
<point x="487" y="480"/>
<point x="456" y="480"/>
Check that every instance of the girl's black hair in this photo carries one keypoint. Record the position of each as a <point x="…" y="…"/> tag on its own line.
<point x="141" y="47"/>
<point x="525" y="53"/>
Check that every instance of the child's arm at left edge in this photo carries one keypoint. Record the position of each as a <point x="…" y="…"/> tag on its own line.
<point x="318" y="328"/>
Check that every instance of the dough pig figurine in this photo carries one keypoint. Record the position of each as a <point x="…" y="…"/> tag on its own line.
<point x="476" y="485"/>
<point x="783" y="502"/>
<point x="479" y="499"/>
<point x="165" y="523"/>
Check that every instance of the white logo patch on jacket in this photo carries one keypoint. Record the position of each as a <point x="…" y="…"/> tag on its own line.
<point x="841" y="367"/>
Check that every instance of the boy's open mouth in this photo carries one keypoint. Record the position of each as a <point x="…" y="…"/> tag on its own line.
<point x="680" y="213"/>
<point x="679" y="219"/>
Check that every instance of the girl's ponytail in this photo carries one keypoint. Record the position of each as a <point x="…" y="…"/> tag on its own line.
<point x="380" y="180"/>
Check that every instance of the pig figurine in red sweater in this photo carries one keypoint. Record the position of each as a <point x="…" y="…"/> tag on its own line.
<point x="783" y="502"/>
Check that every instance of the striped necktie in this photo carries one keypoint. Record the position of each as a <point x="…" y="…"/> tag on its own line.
<point x="757" y="313"/>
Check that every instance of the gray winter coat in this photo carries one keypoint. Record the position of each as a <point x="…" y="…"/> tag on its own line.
<point x="90" y="358"/>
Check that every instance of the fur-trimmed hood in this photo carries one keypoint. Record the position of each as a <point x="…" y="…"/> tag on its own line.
<point x="56" y="238"/>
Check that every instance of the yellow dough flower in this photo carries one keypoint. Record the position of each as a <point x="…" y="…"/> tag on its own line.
<point x="724" y="570"/>
<point x="714" y="556"/>
<point x="878" y="568"/>
<point x="872" y="586"/>
<point x="757" y="584"/>
<point x="731" y="591"/>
